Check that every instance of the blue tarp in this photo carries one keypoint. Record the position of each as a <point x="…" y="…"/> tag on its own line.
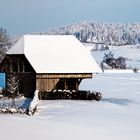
<point x="2" y="80"/>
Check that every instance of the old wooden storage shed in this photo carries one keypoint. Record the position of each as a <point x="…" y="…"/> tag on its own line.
<point x="47" y="62"/>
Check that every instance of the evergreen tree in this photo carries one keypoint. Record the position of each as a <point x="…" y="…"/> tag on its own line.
<point x="12" y="87"/>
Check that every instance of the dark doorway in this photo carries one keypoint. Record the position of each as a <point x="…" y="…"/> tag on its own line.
<point x="68" y="84"/>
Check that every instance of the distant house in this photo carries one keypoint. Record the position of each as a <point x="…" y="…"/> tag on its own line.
<point x="47" y="62"/>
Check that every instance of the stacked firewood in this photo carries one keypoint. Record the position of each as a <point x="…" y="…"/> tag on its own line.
<point x="67" y="94"/>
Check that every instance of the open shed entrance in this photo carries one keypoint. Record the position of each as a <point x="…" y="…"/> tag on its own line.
<point x="68" y="84"/>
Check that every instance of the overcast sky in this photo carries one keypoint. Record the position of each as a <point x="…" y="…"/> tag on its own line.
<point x="26" y="16"/>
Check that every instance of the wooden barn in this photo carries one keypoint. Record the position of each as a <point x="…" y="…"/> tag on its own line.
<point x="47" y="62"/>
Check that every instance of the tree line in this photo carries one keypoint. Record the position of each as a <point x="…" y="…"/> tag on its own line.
<point x="115" y="34"/>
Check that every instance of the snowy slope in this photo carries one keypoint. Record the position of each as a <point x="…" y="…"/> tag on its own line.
<point x="130" y="52"/>
<point x="115" y="117"/>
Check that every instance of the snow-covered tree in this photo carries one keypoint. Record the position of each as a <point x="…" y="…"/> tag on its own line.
<point x="105" y="33"/>
<point x="4" y="42"/>
<point x="115" y="34"/>
<point x="119" y="63"/>
<point x="12" y="87"/>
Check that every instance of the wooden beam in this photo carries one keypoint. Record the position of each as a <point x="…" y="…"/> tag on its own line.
<point x="63" y="75"/>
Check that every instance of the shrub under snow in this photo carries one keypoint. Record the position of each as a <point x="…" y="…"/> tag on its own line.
<point x="33" y="105"/>
<point x="12" y="110"/>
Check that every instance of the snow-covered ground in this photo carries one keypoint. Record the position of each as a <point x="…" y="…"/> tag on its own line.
<point x="115" y="117"/>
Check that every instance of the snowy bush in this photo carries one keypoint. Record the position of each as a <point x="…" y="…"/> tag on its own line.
<point x="135" y="70"/>
<point x="114" y="63"/>
<point x="12" y="110"/>
<point x="1" y="90"/>
<point x="7" y="108"/>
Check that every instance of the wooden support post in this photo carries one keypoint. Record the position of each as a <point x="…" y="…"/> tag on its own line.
<point x="79" y="81"/>
<point x="11" y="66"/>
<point x="23" y="67"/>
<point x="6" y="67"/>
<point x="18" y="66"/>
<point x="65" y="85"/>
<point x="77" y="85"/>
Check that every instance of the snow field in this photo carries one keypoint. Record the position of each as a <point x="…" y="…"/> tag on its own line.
<point x="115" y="117"/>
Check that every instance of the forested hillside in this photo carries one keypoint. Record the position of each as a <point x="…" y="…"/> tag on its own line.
<point x="107" y="33"/>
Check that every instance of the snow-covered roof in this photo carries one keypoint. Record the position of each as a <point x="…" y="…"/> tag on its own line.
<point x="56" y="54"/>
